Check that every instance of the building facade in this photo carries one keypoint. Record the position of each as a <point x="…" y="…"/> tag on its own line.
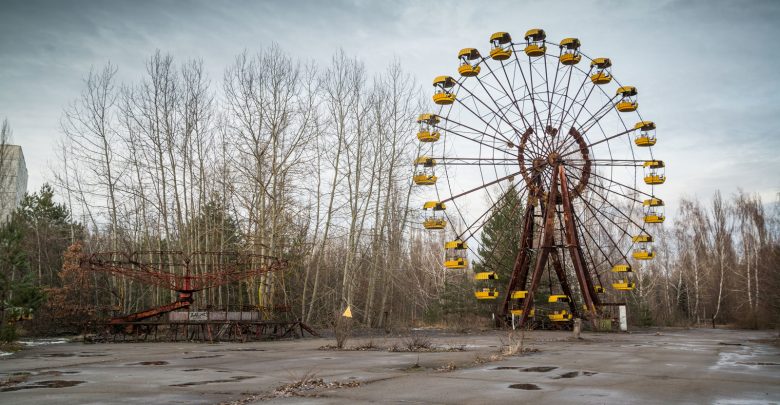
<point x="13" y="179"/>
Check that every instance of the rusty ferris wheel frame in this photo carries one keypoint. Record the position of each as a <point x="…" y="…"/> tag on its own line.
<point x="574" y="153"/>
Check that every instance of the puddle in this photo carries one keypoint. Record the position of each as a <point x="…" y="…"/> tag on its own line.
<point x="540" y="369"/>
<point x="570" y="374"/>
<point x="203" y="357"/>
<point x="589" y="373"/>
<point x="193" y="369"/>
<point x="90" y="354"/>
<point x="231" y="379"/>
<point x="525" y="386"/>
<point x="757" y="363"/>
<point x="730" y="344"/>
<point x="82" y="354"/>
<point x="43" y="384"/>
<point x="149" y="363"/>
<point x="56" y="372"/>
<point x="505" y="368"/>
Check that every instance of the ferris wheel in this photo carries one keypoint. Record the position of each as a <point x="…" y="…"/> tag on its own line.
<point x="553" y="128"/>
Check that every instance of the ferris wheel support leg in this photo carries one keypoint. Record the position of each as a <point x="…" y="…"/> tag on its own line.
<point x="575" y="250"/>
<point x="548" y="244"/>
<point x="556" y="261"/>
<point x="522" y="262"/>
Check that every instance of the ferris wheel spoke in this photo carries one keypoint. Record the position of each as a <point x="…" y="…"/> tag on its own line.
<point x="594" y="184"/>
<point x="595" y="211"/>
<point x="588" y="206"/>
<point x="627" y="217"/>
<point x="506" y="151"/>
<point x="594" y="264"/>
<point x="476" y="131"/>
<point x="565" y="112"/>
<point x="515" y="204"/>
<point x="608" y="162"/>
<point x="532" y="95"/>
<point x="481" y="187"/>
<point x="585" y="248"/>
<point x="607" y="257"/>
<point x="598" y="115"/>
<point x="592" y="144"/>
<point x="496" y="113"/>
<point x="621" y="184"/>
<point x="459" y="161"/>
<point x="551" y="95"/>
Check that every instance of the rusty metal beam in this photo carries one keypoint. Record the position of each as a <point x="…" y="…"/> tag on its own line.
<point x="575" y="250"/>
<point x="548" y="244"/>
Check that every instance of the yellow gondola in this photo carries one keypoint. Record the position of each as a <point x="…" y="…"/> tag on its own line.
<point x="501" y="46"/>
<point x="623" y="285"/>
<point x="599" y="289"/>
<point x="468" y="66"/>
<point x="432" y="221"/>
<point x="570" y="51"/>
<point x="621" y="268"/>
<point x="602" y="75"/>
<point x="455" y="255"/>
<point x="646" y="135"/>
<point x="654" y="218"/>
<point x="560" y="316"/>
<point x="655" y="173"/>
<point x="486" y="275"/>
<point x="443" y="85"/>
<point x="427" y="131"/>
<point x="627" y="101"/>
<point x="643" y="254"/>
<point x="643" y="238"/>
<point x="535" y="42"/>
<point x="518" y="295"/>
<point x="558" y="298"/>
<point x="486" y="294"/>
<point x="519" y="312"/>
<point x="425" y="175"/>
<point x="653" y="202"/>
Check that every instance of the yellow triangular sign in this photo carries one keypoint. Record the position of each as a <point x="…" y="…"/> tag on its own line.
<point x="347" y="313"/>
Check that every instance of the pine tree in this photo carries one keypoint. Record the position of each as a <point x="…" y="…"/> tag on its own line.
<point x="500" y="239"/>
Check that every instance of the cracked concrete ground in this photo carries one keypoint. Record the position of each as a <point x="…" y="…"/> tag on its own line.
<point x="667" y="366"/>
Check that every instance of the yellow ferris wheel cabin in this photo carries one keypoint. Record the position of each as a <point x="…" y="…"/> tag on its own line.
<point x="560" y="316"/>
<point x="643" y="254"/>
<point x="486" y="275"/>
<point x="643" y="238"/>
<point x="646" y="135"/>
<point x="570" y="51"/>
<point x="623" y="285"/>
<point x="602" y="75"/>
<point x="655" y="172"/>
<point x="486" y="294"/>
<point x="501" y="46"/>
<point x="535" y="42"/>
<point x="427" y="132"/>
<point x="622" y="268"/>
<point x="432" y="221"/>
<point x="518" y="294"/>
<point x="628" y="100"/>
<point x="455" y="254"/>
<point x="469" y="58"/>
<point x="443" y="95"/>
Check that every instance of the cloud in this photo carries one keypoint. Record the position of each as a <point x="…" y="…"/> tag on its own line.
<point x="705" y="69"/>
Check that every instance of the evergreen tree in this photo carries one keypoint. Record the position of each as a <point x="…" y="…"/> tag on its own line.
<point x="500" y="243"/>
<point x="500" y="239"/>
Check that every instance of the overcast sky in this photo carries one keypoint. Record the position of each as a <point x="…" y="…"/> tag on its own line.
<point x="707" y="71"/>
